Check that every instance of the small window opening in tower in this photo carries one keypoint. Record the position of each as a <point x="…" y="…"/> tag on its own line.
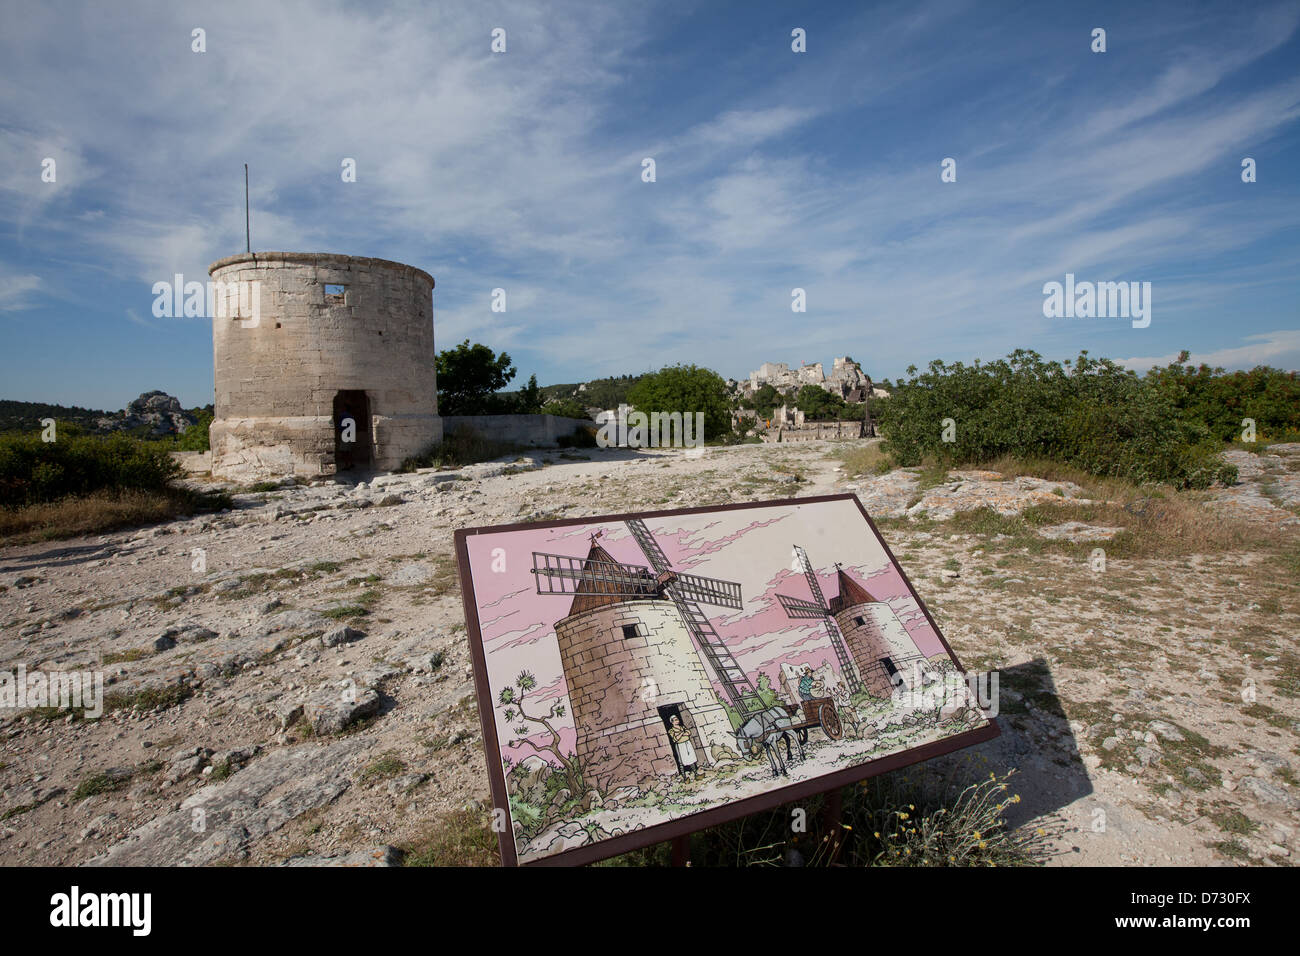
<point x="334" y="291"/>
<point x="629" y="631"/>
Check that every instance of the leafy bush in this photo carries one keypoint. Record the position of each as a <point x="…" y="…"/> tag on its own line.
<point x="1269" y="396"/>
<point x="1095" y="415"/>
<point x="195" y="438"/>
<point x="565" y="408"/>
<point x="687" y="389"/>
<point x="34" y="471"/>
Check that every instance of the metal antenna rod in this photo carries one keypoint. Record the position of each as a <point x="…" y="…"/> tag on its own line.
<point x="248" y="234"/>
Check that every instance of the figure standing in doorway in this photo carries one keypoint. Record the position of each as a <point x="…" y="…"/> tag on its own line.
<point x="681" y="738"/>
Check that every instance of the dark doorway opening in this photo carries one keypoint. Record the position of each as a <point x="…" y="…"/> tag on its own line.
<point x="895" y="679"/>
<point x="352" y="421"/>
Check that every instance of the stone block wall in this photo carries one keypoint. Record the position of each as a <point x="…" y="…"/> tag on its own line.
<point x="541" y="431"/>
<point x="815" y="431"/>
<point x="617" y="683"/>
<point x="881" y="635"/>
<point x="277" y="371"/>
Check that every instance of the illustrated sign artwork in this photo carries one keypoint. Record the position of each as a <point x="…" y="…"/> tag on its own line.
<point x="643" y="676"/>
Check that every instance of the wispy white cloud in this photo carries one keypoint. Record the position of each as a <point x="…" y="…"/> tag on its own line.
<point x="523" y="171"/>
<point x="1279" y="349"/>
<point x="17" y="290"/>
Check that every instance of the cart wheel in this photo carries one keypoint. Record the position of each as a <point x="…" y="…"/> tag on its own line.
<point x="830" y="721"/>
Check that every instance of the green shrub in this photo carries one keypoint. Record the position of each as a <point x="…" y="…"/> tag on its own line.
<point x="565" y="408"/>
<point x="1221" y="401"/>
<point x="33" y="471"/>
<point x="195" y="438"/>
<point x="1095" y="415"/>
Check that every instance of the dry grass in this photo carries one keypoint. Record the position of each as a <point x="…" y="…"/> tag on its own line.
<point x="459" y="838"/>
<point x="863" y="459"/>
<point x="1157" y="520"/>
<point x="464" y="446"/>
<point x="93" y="514"/>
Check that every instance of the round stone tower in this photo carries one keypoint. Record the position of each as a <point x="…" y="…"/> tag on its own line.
<point x="630" y="666"/>
<point x="879" y="643"/>
<point x="322" y="363"/>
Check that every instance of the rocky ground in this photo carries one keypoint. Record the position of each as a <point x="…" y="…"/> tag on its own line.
<point x="289" y="682"/>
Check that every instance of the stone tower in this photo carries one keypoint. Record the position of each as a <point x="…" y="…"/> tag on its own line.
<point x="878" y="642"/>
<point x="322" y="363"/>
<point x="630" y="664"/>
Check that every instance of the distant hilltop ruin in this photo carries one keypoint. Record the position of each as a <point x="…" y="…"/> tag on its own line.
<point x="847" y="380"/>
<point x="789" y="422"/>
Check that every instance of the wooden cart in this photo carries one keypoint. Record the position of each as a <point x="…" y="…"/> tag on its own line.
<point x="818" y="712"/>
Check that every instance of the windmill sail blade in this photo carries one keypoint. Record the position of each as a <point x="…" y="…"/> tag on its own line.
<point x="823" y="611"/>
<point x="735" y="682"/>
<point x="564" y="574"/>
<point x="799" y="608"/>
<point x="811" y="577"/>
<point x="649" y="546"/>
<point x="709" y="591"/>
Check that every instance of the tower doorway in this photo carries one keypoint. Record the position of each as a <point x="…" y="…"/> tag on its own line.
<point x="352" y="421"/>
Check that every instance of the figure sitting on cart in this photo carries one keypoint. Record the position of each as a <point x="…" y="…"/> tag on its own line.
<point x="815" y="707"/>
<point x="681" y="738"/>
<point x="810" y="687"/>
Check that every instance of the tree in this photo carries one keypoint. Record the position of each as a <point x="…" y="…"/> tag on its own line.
<point x="687" y="389"/>
<point x="512" y="699"/>
<point x="529" y="399"/>
<point x="564" y="408"/>
<point x="817" y="404"/>
<point x="468" y="375"/>
<point x="765" y="692"/>
<point x="767" y="400"/>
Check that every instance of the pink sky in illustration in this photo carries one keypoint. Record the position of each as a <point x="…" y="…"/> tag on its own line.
<point x="752" y="547"/>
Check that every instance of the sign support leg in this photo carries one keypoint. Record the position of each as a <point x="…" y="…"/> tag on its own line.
<point x="682" y="851"/>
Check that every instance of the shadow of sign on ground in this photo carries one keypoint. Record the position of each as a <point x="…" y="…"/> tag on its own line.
<point x="1037" y="743"/>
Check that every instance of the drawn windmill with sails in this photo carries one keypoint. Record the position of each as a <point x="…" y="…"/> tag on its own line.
<point x="629" y="646"/>
<point x="818" y="609"/>
<point x="874" y="650"/>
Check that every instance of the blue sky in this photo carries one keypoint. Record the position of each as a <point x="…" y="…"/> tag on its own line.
<point x="775" y="170"/>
